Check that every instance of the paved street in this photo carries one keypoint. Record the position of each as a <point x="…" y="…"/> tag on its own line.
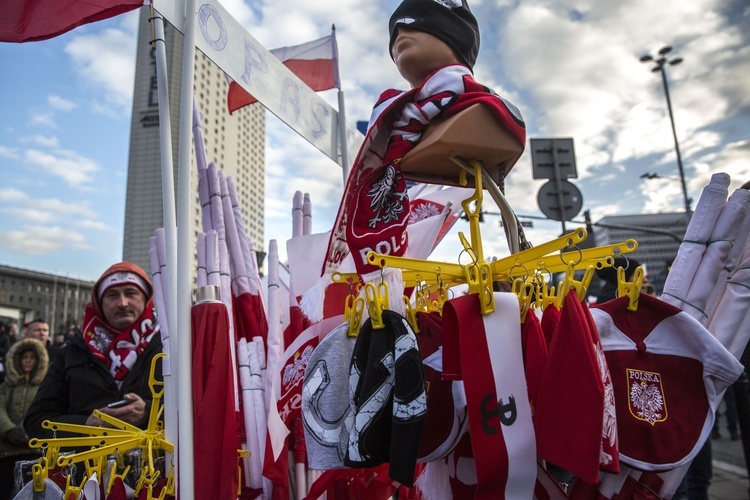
<point x="730" y="481"/>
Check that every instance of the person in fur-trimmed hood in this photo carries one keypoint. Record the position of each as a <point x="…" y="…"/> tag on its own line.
<point x="109" y="362"/>
<point x="26" y="365"/>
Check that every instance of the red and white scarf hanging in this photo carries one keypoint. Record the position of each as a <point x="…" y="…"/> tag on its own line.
<point x="374" y="210"/>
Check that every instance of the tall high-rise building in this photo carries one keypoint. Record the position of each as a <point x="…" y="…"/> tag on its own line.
<point x="236" y="143"/>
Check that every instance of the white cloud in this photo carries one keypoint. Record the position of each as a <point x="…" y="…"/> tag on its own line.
<point x="60" y="104"/>
<point x="73" y="168"/>
<point x="30" y="215"/>
<point x="27" y="209"/>
<point x="40" y="240"/>
<point x="11" y="153"/>
<point x="12" y="195"/>
<point x="106" y="61"/>
<point x="43" y="140"/>
<point x="42" y="119"/>
<point x="95" y="225"/>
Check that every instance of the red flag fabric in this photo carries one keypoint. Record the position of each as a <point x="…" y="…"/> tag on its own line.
<point x="570" y="403"/>
<point x="315" y="63"/>
<point x="534" y="355"/>
<point x="215" y="439"/>
<point x="35" y="20"/>
<point x="610" y="453"/>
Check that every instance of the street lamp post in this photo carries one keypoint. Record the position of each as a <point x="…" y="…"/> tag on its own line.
<point x="659" y="66"/>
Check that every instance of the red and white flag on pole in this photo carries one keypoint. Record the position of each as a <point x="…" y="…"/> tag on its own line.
<point x="315" y="63"/>
<point x="35" y="20"/>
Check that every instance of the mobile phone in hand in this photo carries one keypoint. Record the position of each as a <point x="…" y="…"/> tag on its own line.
<point x="118" y="404"/>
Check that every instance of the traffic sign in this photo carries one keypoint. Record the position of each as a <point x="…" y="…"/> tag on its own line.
<point x="549" y="200"/>
<point x="551" y="158"/>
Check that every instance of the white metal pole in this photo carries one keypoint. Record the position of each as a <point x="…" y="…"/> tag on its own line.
<point x="342" y="136"/>
<point x="185" y="459"/>
<point x="170" y="227"/>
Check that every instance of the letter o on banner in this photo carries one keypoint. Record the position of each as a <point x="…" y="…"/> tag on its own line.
<point x="206" y="12"/>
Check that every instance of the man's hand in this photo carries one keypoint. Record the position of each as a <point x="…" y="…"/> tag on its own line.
<point x="134" y="412"/>
<point x="17" y="435"/>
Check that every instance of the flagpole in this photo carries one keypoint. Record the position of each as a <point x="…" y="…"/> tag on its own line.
<point x="170" y="225"/>
<point x="184" y="444"/>
<point x="342" y="109"/>
<point x="342" y="136"/>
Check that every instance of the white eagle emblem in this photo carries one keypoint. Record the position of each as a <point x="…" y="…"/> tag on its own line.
<point x="386" y="203"/>
<point x="295" y="371"/>
<point x="648" y="401"/>
<point x="421" y="210"/>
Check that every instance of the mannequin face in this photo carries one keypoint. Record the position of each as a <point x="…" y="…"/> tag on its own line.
<point x="417" y="54"/>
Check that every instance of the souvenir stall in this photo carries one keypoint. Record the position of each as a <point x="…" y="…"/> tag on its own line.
<point x="361" y="368"/>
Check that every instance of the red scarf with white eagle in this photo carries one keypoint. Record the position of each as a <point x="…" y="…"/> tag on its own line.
<point x="374" y="210"/>
<point x="119" y="349"/>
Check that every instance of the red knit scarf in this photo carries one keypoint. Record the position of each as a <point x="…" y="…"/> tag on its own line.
<point x="374" y="210"/>
<point x="119" y="349"/>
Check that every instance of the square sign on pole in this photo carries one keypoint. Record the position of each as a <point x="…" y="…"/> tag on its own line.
<point x="545" y="153"/>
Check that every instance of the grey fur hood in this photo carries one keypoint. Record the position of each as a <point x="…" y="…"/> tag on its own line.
<point x="14" y="373"/>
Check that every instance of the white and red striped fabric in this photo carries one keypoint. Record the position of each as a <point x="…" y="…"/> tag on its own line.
<point x="491" y="364"/>
<point x="315" y="63"/>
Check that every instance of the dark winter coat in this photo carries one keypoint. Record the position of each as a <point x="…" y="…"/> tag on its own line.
<point x="78" y="383"/>
<point x="17" y="392"/>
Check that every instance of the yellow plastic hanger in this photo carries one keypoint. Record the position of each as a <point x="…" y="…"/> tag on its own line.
<point x="104" y="441"/>
<point x="411" y="278"/>
<point x="532" y="256"/>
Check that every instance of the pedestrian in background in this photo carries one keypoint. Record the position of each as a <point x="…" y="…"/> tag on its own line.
<point x="6" y="340"/>
<point x="26" y="367"/>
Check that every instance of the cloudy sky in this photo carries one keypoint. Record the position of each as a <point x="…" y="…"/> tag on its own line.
<point x="571" y="67"/>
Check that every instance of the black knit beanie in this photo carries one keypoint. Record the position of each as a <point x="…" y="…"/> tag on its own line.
<point x="449" y="20"/>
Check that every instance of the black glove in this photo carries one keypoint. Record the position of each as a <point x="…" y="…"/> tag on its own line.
<point x="17" y="436"/>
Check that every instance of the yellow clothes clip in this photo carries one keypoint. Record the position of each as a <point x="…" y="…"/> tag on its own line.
<point x="580" y="287"/>
<point x="632" y="290"/>
<point x="113" y="475"/>
<point x="411" y="314"/>
<point x="377" y="302"/>
<point x="524" y="291"/>
<point x="353" y="311"/>
<point x="39" y="474"/>
<point x="72" y="491"/>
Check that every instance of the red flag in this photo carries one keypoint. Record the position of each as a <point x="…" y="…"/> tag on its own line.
<point x="215" y="438"/>
<point x="315" y="63"/>
<point x="570" y="401"/>
<point x="35" y="20"/>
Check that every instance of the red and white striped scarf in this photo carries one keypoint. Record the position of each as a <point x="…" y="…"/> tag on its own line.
<point x="491" y="364"/>
<point x="374" y="210"/>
